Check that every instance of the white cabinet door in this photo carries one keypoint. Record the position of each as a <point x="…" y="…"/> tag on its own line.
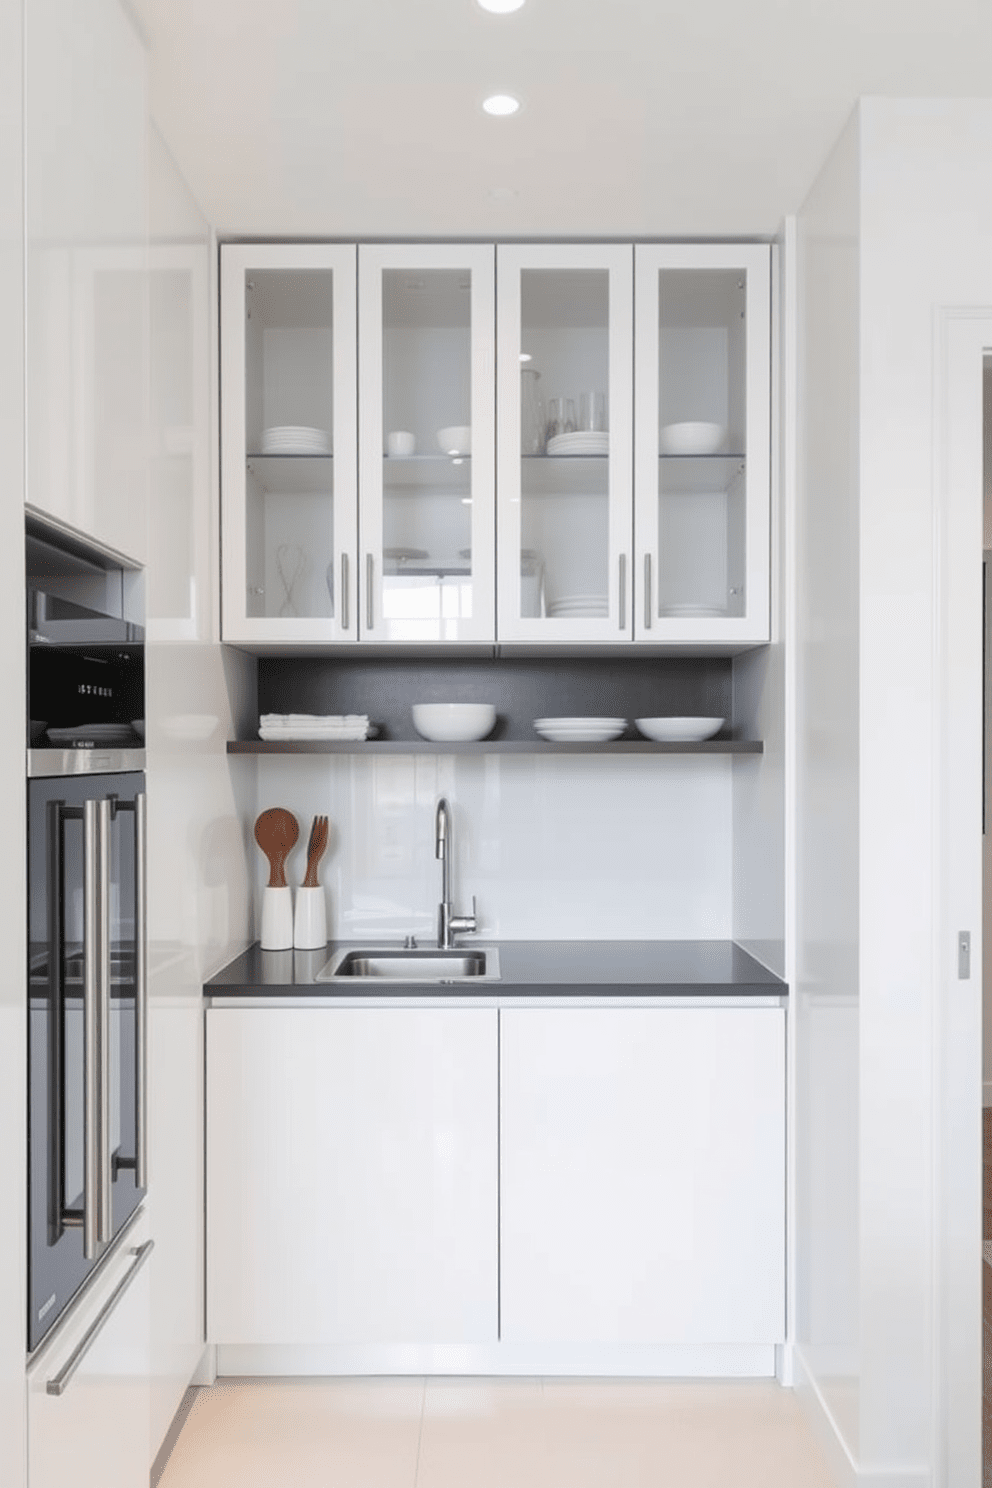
<point x="289" y="443"/>
<point x="351" y="1176"/>
<point x="96" y="1433"/>
<point x="702" y="420"/>
<point x="642" y="1193"/>
<point x="87" y="287"/>
<point x="427" y="473"/>
<point x="564" y="506"/>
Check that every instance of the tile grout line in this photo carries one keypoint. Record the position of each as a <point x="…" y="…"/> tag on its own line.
<point x="420" y="1432"/>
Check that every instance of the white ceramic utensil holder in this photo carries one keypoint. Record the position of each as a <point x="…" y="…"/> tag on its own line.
<point x="310" y="921"/>
<point x="277" y="919"/>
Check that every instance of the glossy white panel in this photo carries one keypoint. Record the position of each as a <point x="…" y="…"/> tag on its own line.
<point x="924" y="245"/>
<point x="86" y="269"/>
<point x="827" y="781"/>
<point x="641" y="1175"/>
<point x="95" y="1434"/>
<point x="352" y="1175"/>
<point x="13" y="916"/>
<point x="571" y="846"/>
<point x="196" y="693"/>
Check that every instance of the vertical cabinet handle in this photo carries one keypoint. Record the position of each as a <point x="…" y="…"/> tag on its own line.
<point x="345" y="597"/>
<point x="369" y="607"/>
<point x="141" y="990"/>
<point x="96" y="1028"/>
<point x="647" y="591"/>
<point x="623" y="591"/>
<point x="105" y="1216"/>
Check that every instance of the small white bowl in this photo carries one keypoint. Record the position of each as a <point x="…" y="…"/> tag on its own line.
<point x="450" y="723"/>
<point x="679" y="730"/>
<point x="400" y="442"/>
<point x="456" y="439"/>
<point x="691" y="438"/>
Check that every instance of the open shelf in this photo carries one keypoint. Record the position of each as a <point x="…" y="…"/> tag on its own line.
<point x="489" y="746"/>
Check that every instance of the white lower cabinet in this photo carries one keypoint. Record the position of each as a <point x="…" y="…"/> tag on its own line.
<point x="642" y="1192"/>
<point x="352" y="1175"/>
<point x="95" y="1433"/>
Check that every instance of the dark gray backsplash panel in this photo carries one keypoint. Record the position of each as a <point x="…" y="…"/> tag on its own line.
<point x="521" y="689"/>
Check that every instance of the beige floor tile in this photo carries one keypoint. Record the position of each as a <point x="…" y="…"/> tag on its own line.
<point x="300" y="1434"/>
<point x="618" y="1434"/>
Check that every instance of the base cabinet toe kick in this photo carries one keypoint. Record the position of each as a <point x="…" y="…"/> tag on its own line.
<point x="573" y="1190"/>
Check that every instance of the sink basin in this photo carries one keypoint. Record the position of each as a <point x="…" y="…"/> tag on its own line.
<point x="398" y="964"/>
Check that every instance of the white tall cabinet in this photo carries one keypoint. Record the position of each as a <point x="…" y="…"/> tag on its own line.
<point x="87" y="251"/>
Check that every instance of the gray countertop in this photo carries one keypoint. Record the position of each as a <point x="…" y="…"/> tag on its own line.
<point x="529" y="968"/>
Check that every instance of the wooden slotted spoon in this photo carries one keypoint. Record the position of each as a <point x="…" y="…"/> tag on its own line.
<point x="276" y="833"/>
<point x="315" y="851"/>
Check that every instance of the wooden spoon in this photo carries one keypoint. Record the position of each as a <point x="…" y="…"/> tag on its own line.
<point x="276" y="833"/>
<point x="315" y="850"/>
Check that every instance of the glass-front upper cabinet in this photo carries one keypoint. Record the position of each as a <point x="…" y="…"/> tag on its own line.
<point x="289" y="444"/>
<point x="565" y="348"/>
<point x="702" y="432"/>
<point x="427" y="433"/>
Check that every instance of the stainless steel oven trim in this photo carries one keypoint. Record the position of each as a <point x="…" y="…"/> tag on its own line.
<point x="47" y="762"/>
<point x="58" y="1384"/>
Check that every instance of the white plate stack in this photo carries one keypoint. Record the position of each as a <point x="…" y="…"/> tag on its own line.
<point x="582" y="442"/>
<point x="295" y="439"/>
<point x="579" y="607"/>
<point x="580" y="730"/>
<point x="332" y="727"/>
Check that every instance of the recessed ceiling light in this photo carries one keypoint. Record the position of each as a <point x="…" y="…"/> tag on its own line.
<point x="501" y="7"/>
<point x="501" y="104"/>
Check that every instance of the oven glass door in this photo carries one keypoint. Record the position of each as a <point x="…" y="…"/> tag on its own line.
<point x="85" y="1031"/>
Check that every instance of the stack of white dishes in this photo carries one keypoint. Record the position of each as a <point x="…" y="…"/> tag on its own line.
<point x="688" y="611"/>
<point x="579" y="606"/>
<point x="295" y="439"/>
<point x="580" y="730"/>
<point x="679" y="730"/>
<point x="582" y="442"/>
<point x="332" y="727"/>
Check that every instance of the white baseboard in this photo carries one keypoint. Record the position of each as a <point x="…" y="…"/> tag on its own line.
<point x="847" y="1470"/>
<point x="731" y="1361"/>
<point x="206" y="1371"/>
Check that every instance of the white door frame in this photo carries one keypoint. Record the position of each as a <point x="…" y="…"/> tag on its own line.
<point x="962" y="338"/>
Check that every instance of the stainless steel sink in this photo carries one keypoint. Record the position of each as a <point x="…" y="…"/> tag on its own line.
<point x="400" y="964"/>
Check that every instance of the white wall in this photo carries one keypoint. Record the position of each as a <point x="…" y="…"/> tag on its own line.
<point x="910" y="231"/>
<point x="557" y="846"/>
<point x="13" y="1010"/>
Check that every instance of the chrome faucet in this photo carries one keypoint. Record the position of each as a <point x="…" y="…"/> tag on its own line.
<point x="448" y="924"/>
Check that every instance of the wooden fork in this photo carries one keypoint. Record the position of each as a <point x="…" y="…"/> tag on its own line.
<point x="315" y="850"/>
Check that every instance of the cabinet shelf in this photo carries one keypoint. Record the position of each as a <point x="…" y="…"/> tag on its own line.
<point x="427" y="473"/>
<point x="292" y="475"/>
<point x="685" y="474"/>
<point x="489" y="746"/>
<point x="578" y="475"/>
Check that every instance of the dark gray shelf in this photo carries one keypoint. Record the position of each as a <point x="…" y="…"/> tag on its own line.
<point x="489" y="746"/>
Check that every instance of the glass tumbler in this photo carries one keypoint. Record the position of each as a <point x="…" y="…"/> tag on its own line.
<point x="532" y="427"/>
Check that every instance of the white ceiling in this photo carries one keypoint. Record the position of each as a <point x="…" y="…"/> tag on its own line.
<point x="655" y="118"/>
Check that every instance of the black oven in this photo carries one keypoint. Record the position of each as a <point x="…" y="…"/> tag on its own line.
<point x="87" y="971"/>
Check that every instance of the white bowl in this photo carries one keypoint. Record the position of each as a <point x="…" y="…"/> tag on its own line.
<point x="691" y="438"/>
<point x="450" y="723"/>
<point x="679" y="730"/>
<point x="456" y="439"/>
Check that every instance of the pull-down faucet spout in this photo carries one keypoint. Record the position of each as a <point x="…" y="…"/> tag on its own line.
<point x="448" y="924"/>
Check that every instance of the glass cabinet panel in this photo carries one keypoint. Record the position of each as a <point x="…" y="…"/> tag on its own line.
<point x="565" y="419"/>
<point x="427" y="478"/>
<point x="289" y="451"/>
<point x="703" y="442"/>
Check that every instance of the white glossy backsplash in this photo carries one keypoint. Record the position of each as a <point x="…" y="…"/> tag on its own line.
<point x="576" y="847"/>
